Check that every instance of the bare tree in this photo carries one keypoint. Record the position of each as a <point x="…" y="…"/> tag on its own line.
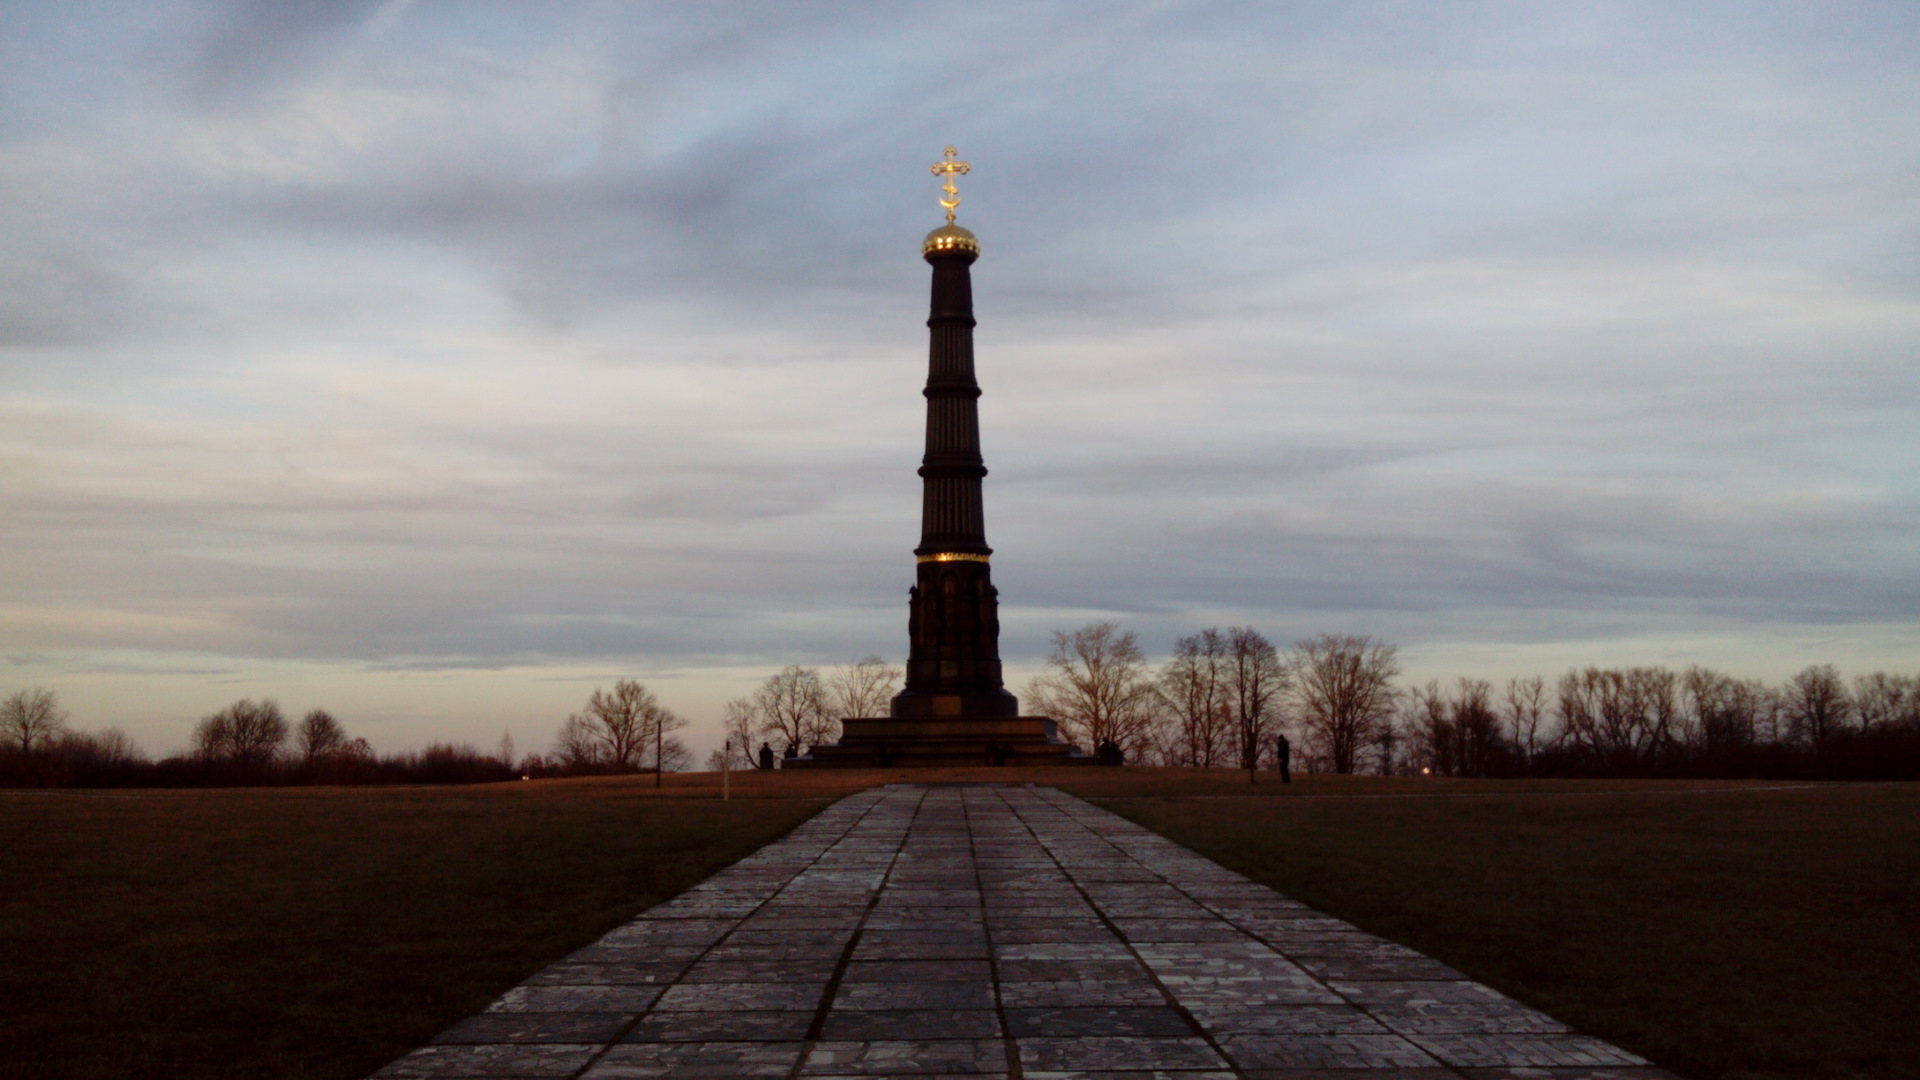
<point x="244" y="733"/>
<point x="31" y="719"/>
<point x="738" y="729"/>
<point x="672" y="756"/>
<point x="1389" y="745"/>
<point x="108" y="747"/>
<point x="1526" y="708"/>
<point x="1770" y="722"/>
<point x="1430" y="724"/>
<point x="1817" y="703"/>
<point x="1194" y="686"/>
<point x="1096" y="685"/>
<point x="1719" y="713"/>
<point x="1883" y="701"/>
<point x="1623" y="718"/>
<point x="1477" y="728"/>
<point x="865" y="688"/>
<point x="628" y="724"/>
<point x="791" y="707"/>
<point x="1343" y="686"/>
<point x="506" y="751"/>
<point x="1256" y="685"/>
<point x="319" y="736"/>
<point x="577" y="745"/>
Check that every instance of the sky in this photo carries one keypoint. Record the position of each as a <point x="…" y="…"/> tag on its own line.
<point x="436" y="363"/>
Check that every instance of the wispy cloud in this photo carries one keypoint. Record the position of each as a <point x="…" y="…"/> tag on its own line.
<point x="421" y="340"/>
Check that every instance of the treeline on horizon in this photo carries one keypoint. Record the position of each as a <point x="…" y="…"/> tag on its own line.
<point x="1225" y="697"/>
<point x="251" y="744"/>
<point x="1222" y="699"/>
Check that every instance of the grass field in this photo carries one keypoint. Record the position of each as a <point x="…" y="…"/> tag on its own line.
<point x="1725" y="930"/>
<point x="318" y="932"/>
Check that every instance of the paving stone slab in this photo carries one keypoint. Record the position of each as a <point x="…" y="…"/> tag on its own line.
<point x="1107" y="1054"/>
<point x="836" y="939"/>
<point x="1088" y="933"/>
<point x="716" y="997"/>
<point x="722" y="1026"/>
<point x="1525" y="1050"/>
<point x="868" y="950"/>
<point x="489" y="1061"/>
<point x="891" y="1024"/>
<point x="1366" y="967"/>
<point x="1421" y="1073"/>
<point x="788" y="970"/>
<point x="1577" y="1073"/>
<point x="1088" y="992"/>
<point x="1135" y="1074"/>
<point x="696" y="1061"/>
<point x="1429" y="1018"/>
<point x="1286" y="1019"/>
<point x="1077" y="951"/>
<point x="893" y="971"/>
<point x="1070" y="1022"/>
<point x="979" y="930"/>
<point x="1295" y="1050"/>
<point x="532" y="1027"/>
<point x="566" y="974"/>
<point x="877" y="996"/>
<point x="896" y="1057"/>
<point x="734" y="949"/>
<point x="1421" y="993"/>
<point x="592" y="999"/>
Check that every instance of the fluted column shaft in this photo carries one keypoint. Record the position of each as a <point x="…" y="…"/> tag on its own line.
<point x="953" y="663"/>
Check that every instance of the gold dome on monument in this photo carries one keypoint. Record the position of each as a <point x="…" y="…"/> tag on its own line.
<point x="950" y="238"/>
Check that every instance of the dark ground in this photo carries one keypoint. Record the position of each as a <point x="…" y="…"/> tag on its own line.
<point x="1723" y="930"/>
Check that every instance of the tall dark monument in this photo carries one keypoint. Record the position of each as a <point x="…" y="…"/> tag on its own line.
<point x="955" y="710"/>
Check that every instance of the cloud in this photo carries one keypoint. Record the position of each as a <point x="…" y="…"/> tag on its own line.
<point x="499" y="340"/>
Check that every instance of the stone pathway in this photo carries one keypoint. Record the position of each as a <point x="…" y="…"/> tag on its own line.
<point x="1001" y="931"/>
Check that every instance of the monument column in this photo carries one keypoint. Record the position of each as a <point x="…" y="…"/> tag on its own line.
<point x="954" y="709"/>
<point x="953" y="658"/>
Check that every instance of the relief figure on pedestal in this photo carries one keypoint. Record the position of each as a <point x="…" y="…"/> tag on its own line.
<point x="949" y="607"/>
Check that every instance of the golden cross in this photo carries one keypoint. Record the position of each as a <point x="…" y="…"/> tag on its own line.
<point x="952" y="169"/>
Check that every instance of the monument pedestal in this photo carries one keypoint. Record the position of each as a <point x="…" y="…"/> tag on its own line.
<point x="915" y="742"/>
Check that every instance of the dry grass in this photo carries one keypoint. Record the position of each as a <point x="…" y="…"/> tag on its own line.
<point x="319" y="932"/>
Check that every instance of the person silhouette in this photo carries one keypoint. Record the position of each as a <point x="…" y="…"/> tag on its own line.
<point x="1283" y="751"/>
<point x="766" y="756"/>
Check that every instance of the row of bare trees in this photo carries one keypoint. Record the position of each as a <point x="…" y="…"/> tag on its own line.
<point x="1653" y="720"/>
<point x="624" y="729"/>
<point x="247" y="742"/>
<point x="38" y="748"/>
<point x="1224" y="696"/>
<point x="1222" y="699"/>
<point x="798" y="708"/>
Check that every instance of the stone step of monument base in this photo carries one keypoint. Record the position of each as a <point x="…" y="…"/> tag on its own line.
<point x="892" y="742"/>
